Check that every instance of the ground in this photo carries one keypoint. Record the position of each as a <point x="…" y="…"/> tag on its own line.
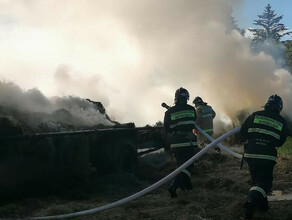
<point x="219" y="192"/>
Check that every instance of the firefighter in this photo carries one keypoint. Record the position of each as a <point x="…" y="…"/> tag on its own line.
<point x="205" y="116"/>
<point x="179" y="121"/>
<point x="262" y="132"/>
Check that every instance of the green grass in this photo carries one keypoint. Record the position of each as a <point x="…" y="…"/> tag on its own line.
<point x="286" y="149"/>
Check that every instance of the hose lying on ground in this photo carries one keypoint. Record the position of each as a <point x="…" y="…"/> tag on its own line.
<point x="222" y="147"/>
<point x="148" y="189"/>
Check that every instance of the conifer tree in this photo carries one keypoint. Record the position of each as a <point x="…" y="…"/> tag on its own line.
<point x="234" y="26"/>
<point x="270" y="29"/>
<point x="288" y="45"/>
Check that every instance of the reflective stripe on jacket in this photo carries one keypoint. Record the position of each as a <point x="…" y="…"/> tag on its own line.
<point x="179" y="120"/>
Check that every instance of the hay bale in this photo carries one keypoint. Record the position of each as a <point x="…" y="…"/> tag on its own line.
<point x="22" y="160"/>
<point x="9" y="127"/>
<point x="72" y="157"/>
<point x="25" y="161"/>
<point x="43" y="160"/>
<point x="112" y="153"/>
<point x="101" y="153"/>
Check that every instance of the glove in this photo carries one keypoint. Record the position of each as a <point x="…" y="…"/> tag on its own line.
<point x="195" y="131"/>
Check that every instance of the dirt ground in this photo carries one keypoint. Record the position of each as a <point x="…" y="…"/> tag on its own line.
<point x="220" y="189"/>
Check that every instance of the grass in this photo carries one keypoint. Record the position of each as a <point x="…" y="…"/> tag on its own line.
<point x="286" y="149"/>
<point x="220" y="189"/>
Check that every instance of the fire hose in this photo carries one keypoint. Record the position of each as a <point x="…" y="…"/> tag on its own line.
<point x="146" y="190"/>
<point x="222" y="147"/>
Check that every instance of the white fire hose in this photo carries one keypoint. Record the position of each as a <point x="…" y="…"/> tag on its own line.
<point x="148" y="189"/>
<point x="222" y="147"/>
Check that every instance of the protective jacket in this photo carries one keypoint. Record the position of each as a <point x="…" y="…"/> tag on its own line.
<point x="264" y="130"/>
<point x="205" y="115"/>
<point x="180" y="120"/>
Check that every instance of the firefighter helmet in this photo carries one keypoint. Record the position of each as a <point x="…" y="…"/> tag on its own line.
<point x="181" y="95"/>
<point x="275" y="103"/>
<point x="198" y="100"/>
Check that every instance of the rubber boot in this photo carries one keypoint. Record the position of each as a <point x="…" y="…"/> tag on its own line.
<point x="174" y="186"/>
<point x="250" y="208"/>
<point x="264" y="206"/>
<point x="172" y="191"/>
<point x="189" y="185"/>
<point x="218" y="150"/>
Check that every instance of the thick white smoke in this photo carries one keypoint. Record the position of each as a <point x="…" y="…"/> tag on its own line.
<point x="33" y="101"/>
<point x="133" y="55"/>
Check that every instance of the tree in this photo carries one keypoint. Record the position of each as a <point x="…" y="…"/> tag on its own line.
<point x="288" y="45"/>
<point x="234" y="26"/>
<point x="270" y="29"/>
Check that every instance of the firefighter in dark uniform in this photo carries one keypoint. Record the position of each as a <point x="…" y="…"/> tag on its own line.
<point x="205" y="116"/>
<point x="262" y="132"/>
<point x="179" y="122"/>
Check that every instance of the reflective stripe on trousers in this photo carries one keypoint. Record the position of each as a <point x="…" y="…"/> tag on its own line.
<point x="186" y="172"/>
<point x="260" y="156"/>
<point x="259" y="189"/>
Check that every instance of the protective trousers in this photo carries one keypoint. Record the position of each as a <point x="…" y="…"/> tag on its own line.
<point x="183" y="179"/>
<point x="202" y="140"/>
<point x="261" y="172"/>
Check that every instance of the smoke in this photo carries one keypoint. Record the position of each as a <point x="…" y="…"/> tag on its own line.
<point x="133" y="55"/>
<point x="33" y="101"/>
<point x="92" y="87"/>
<point x="276" y="50"/>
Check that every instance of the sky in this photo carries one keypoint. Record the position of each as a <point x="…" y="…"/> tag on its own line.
<point x="132" y="55"/>
<point x="248" y="10"/>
